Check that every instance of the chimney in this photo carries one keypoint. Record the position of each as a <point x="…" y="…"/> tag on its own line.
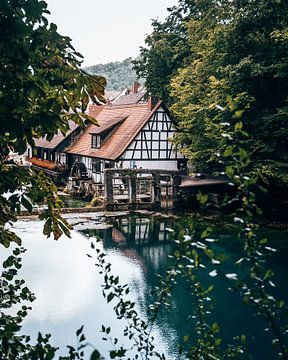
<point x="135" y="87"/>
<point x="151" y="101"/>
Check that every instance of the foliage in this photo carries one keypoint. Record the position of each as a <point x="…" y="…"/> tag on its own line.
<point x="257" y="291"/>
<point x="119" y="74"/>
<point x="205" y="50"/>
<point x="14" y="294"/>
<point x="166" y="49"/>
<point x="194" y="252"/>
<point x="190" y="260"/>
<point x="42" y="87"/>
<point x="189" y="263"/>
<point x="238" y="48"/>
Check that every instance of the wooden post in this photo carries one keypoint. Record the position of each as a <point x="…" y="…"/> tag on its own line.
<point x="157" y="190"/>
<point x="132" y="230"/>
<point x="152" y="190"/>
<point x="108" y="188"/>
<point x="132" y="191"/>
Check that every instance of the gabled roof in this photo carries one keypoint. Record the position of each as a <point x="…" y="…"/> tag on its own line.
<point x="129" y="99"/>
<point x="57" y="139"/>
<point x="108" y="125"/>
<point x="136" y="116"/>
<point x="94" y="110"/>
<point x="111" y="95"/>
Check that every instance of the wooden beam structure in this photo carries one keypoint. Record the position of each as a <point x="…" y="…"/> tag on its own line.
<point x="139" y="189"/>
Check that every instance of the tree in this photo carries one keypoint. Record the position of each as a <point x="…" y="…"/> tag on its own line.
<point x="41" y="88"/>
<point x="166" y="49"/>
<point x="239" y="48"/>
<point x="118" y="74"/>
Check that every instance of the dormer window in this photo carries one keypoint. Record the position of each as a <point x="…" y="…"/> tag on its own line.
<point x="96" y="141"/>
<point x="100" y="134"/>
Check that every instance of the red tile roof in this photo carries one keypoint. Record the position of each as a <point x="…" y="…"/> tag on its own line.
<point x="136" y="116"/>
<point x="108" y="125"/>
<point x="57" y="139"/>
<point x="111" y="95"/>
<point x="94" y="110"/>
<point x="129" y="99"/>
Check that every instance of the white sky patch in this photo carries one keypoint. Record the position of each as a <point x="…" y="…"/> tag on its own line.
<point x="105" y="31"/>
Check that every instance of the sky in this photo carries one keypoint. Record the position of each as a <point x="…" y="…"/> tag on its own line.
<point x="106" y="30"/>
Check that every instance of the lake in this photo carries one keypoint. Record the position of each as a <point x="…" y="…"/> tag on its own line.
<point x="68" y="288"/>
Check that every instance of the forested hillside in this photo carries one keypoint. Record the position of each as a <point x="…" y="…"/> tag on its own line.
<point x="118" y="74"/>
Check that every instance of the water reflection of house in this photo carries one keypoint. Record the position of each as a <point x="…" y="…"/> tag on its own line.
<point x="140" y="230"/>
<point x="143" y="239"/>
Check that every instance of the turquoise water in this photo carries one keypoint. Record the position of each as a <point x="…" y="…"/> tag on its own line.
<point x="68" y="286"/>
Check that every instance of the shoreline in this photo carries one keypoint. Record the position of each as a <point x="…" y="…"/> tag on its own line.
<point x="102" y="211"/>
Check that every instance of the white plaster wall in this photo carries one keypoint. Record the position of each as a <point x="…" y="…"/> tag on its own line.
<point x="87" y="162"/>
<point x="98" y="178"/>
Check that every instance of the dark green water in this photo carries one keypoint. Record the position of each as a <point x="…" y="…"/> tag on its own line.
<point x="68" y="286"/>
<point x="149" y="240"/>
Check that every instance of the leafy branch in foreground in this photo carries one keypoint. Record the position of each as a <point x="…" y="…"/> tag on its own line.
<point x="14" y="294"/>
<point x="42" y="87"/>
<point x="259" y="291"/>
<point x="137" y="329"/>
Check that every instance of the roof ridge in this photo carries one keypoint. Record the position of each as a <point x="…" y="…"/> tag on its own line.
<point x="145" y="104"/>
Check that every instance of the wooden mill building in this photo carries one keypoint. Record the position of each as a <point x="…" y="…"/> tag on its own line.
<point x="132" y="133"/>
<point x="128" y="136"/>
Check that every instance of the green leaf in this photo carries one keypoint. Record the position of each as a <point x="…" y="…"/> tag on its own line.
<point x="218" y="342"/>
<point x="26" y="203"/>
<point x="228" y="151"/>
<point x="186" y="338"/>
<point x="229" y="171"/>
<point x="95" y="355"/>
<point x="79" y="331"/>
<point x="215" y="328"/>
<point x="202" y="198"/>
<point x="268" y="274"/>
<point x="110" y="297"/>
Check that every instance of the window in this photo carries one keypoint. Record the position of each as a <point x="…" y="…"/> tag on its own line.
<point x="108" y="165"/>
<point x="63" y="159"/>
<point x="96" y="166"/>
<point x="96" y="142"/>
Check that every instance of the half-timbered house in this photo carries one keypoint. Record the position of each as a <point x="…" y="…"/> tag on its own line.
<point x="54" y="150"/>
<point x="133" y="135"/>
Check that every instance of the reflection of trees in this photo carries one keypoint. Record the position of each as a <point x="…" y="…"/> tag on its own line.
<point x="147" y="242"/>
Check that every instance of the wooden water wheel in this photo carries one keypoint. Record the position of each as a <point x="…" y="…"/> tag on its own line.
<point x="79" y="171"/>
